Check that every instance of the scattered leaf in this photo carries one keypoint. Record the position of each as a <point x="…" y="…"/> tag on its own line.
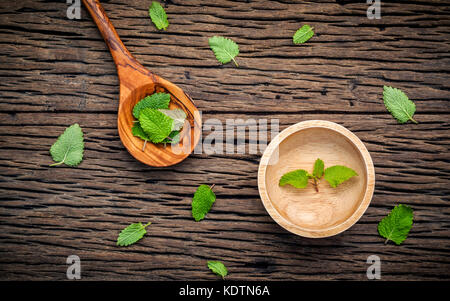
<point x="202" y="202"/>
<point x="397" y="224"/>
<point x="218" y="268"/>
<point x="398" y="104"/>
<point x="69" y="147"/>
<point x="224" y="49"/>
<point x="158" y="15"/>
<point x="131" y="234"/>
<point x="303" y="34"/>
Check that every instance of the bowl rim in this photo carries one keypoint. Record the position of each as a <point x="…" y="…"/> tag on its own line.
<point x="285" y="223"/>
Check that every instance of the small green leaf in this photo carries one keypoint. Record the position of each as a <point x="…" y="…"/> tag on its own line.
<point x="69" y="147"/>
<point x="138" y="131"/>
<point x="131" y="234"/>
<point x="154" y="101"/>
<point x="178" y="116"/>
<point x="303" y="34"/>
<point x="218" y="268"/>
<point x="297" y="178"/>
<point x="173" y="138"/>
<point x="224" y="49"/>
<point x="318" y="168"/>
<point x="158" y="15"/>
<point x="397" y="224"/>
<point x="202" y="202"/>
<point x="398" y="104"/>
<point x="156" y="125"/>
<point x="337" y="174"/>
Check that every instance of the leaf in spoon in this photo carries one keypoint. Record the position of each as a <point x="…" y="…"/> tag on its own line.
<point x="155" y="124"/>
<point x="178" y="116"/>
<point x="154" y="101"/>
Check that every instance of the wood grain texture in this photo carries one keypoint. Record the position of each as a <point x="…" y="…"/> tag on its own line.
<point x="57" y="71"/>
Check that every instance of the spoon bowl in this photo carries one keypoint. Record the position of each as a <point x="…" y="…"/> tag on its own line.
<point x="136" y="82"/>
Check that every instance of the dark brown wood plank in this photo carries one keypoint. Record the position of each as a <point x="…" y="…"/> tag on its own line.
<point x="56" y="72"/>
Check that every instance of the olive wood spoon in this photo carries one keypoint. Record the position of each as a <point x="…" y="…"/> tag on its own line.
<point x="136" y="82"/>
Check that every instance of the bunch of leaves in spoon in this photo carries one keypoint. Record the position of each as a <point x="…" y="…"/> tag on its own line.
<point x="155" y="122"/>
<point x="334" y="175"/>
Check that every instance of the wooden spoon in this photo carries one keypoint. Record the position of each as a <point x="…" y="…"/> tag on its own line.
<point x="136" y="82"/>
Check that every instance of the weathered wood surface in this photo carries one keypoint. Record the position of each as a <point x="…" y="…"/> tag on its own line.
<point x="55" y="72"/>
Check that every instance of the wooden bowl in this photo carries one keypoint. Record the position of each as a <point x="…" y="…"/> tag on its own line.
<point x="306" y="212"/>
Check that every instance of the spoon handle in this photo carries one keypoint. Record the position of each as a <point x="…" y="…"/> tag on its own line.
<point x="120" y="54"/>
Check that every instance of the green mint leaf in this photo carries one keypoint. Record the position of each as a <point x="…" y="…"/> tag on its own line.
<point x="398" y="104"/>
<point x="158" y="15"/>
<point x="178" y="116"/>
<point x="224" y="49"/>
<point x="297" y="178"/>
<point x="397" y="224"/>
<point x="69" y="147"/>
<point x="303" y="34"/>
<point x="155" y="124"/>
<point x="154" y="101"/>
<point x="202" y="202"/>
<point x="218" y="268"/>
<point x="138" y="131"/>
<point x="173" y="138"/>
<point x="337" y="174"/>
<point x="131" y="234"/>
<point x="318" y="169"/>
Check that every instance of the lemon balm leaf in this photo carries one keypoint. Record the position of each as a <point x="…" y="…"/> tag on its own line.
<point x="218" y="268"/>
<point x="69" y="147"/>
<point x="155" y="124"/>
<point x="397" y="224"/>
<point x="173" y="138"/>
<point x="158" y="15"/>
<point x="224" y="49"/>
<point x="318" y="169"/>
<point x="154" y="101"/>
<point x="398" y="104"/>
<point x="202" y="202"/>
<point x="131" y="234"/>
<point x="338" y="174"/>
<point x="297" y="178"/>
<point x="178" y="116"/>
<point x="138" y="131"/>
<point x="303" y="34"/>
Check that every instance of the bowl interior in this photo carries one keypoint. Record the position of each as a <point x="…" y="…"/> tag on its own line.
<point x="305" y="208"/>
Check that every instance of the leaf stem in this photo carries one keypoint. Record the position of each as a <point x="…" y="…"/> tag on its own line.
<point x="212" y="186"/>
<point x="147" y="224"/>
<point x="413" y="120"/>
<point x="145" y="143"/>
<point x="235" y="62"/>
<point x="57" y="163"/>
<point x="316" y="186"/>
<point x="386" y="241"/>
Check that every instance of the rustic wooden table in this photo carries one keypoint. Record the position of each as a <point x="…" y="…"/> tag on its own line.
<point x="57" y="71"/>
